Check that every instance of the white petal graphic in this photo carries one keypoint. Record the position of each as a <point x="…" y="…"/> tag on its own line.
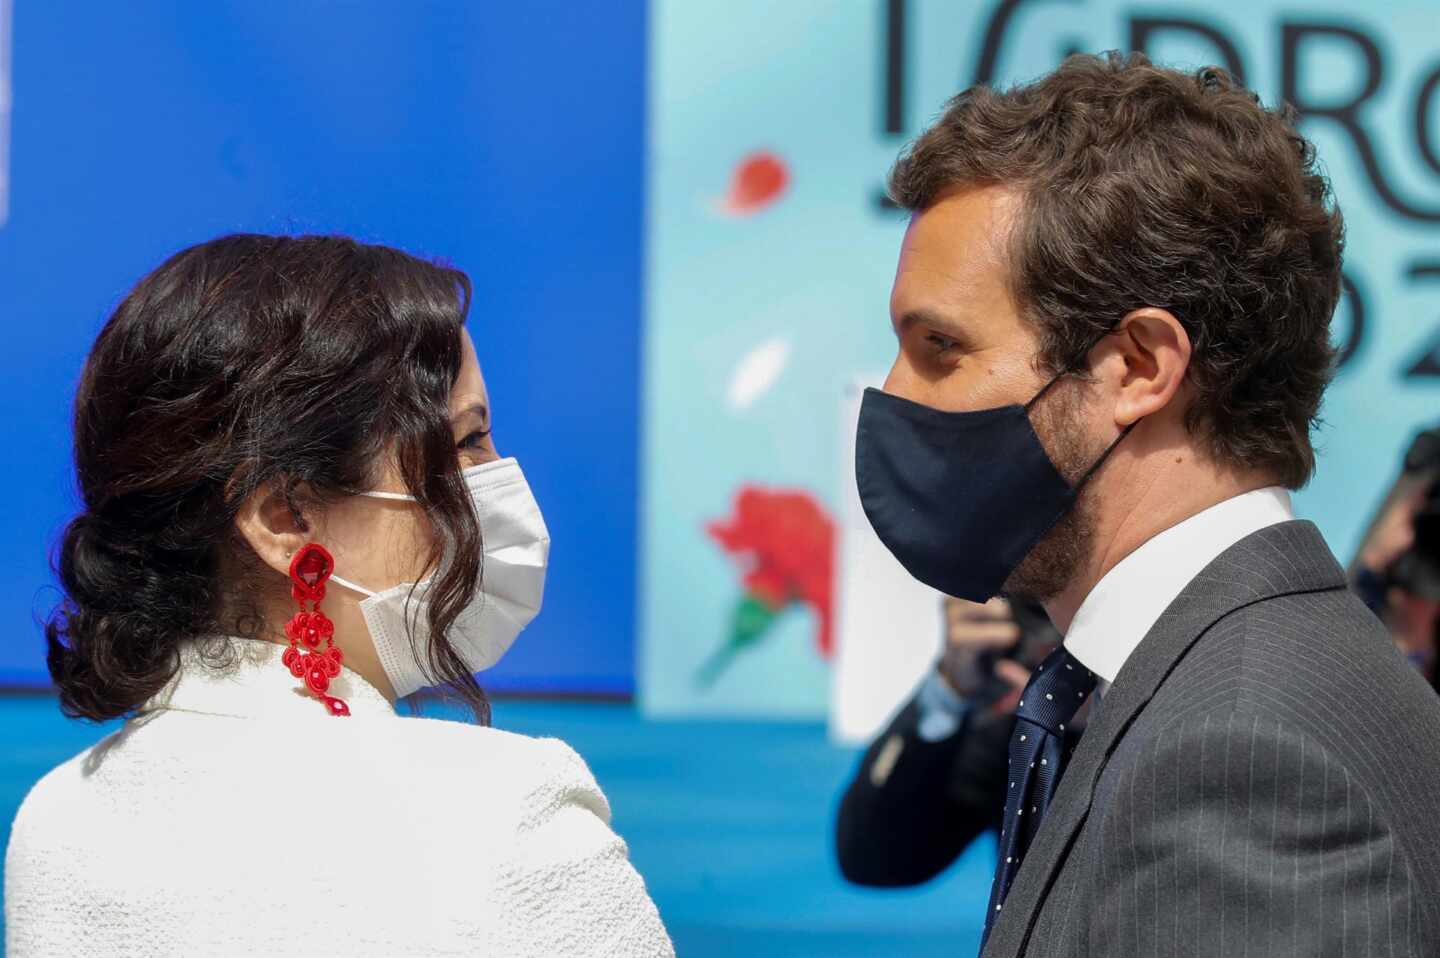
<point x="757" y="372"/>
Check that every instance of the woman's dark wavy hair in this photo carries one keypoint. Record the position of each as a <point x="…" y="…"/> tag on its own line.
<point x="1144" y="186"/>
<point x="299" y="361"/>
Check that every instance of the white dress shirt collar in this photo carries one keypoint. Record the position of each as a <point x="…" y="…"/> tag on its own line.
<point x="252" y="682"/>
<point x="1130" y="598"/>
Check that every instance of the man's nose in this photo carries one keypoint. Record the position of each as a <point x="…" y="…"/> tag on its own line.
<point x="901" y="380"/>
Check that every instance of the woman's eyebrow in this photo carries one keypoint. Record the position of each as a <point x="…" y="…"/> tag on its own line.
<point x="479" y="409"/>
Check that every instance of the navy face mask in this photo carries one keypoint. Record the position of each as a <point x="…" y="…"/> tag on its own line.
<point x="960" y="498"/>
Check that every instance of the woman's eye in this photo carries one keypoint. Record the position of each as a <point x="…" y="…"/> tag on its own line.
<point x="475" y="439"/>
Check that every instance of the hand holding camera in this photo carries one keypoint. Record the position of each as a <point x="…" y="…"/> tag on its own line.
<point x="992" y="647"/>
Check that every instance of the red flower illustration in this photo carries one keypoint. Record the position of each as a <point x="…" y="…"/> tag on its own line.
<point x="784" y="540"/>
<point x="757" y="182"/>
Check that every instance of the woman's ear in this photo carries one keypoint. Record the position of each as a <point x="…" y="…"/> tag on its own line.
<point x="270" y="522"/>
<point x="1156" y="352"/>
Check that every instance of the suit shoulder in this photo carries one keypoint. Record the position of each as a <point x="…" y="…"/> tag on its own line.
<point x="1312" y="671"/>
<point x="1281" y="656"/>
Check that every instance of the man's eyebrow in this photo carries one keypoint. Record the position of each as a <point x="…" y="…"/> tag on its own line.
<point x="929" y="317"/>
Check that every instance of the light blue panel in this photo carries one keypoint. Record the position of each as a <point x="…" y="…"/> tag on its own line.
<point x="806" y="80"/>
<point x="796" y="79"/>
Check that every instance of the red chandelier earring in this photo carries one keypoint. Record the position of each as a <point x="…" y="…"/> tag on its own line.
<point x="309" y="569"/>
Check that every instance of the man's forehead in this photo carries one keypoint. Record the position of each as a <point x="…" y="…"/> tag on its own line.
<point x="963" y="227"/>
<point x="953" y="250"/>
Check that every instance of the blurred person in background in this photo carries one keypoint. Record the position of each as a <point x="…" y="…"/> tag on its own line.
<point x="1396" y="569"/>
<point x="294" y="515"/>
<point x="934" y="780"/>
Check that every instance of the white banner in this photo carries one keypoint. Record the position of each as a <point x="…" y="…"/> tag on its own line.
<point x="888" y="626"/>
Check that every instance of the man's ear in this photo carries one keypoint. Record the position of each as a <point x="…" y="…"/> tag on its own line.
<point x="269" y="521"/>
<point x="1156" y="352"/>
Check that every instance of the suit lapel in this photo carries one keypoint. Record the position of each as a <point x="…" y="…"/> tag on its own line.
<point x="1279" y="560"/>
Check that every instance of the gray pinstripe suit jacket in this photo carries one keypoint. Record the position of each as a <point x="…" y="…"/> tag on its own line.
<point x="1263" y="779"/>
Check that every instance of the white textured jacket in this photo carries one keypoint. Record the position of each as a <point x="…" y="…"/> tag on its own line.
<point x="233" y="816"/>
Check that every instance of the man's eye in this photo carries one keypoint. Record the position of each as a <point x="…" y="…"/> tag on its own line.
<point x="475" y="439"/>
<point x="941" y="344"/>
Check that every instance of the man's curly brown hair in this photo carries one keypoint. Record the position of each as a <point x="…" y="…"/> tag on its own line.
<point x="1145" y="186"/>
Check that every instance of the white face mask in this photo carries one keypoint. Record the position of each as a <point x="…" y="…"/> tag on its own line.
<point x="517" y="547"/>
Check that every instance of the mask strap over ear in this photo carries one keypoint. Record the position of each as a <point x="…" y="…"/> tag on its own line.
<point x="1093" y="469"/>
<point x="393" y="496"/>
<point x="1123" y="433"/>
<point x="398" y="496"/>
<point x="351" y="586"/>
<point x="1066" y="372"/>
<point x="1045" y="389"/>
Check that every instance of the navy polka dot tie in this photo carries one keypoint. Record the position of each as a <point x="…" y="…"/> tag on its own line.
<point x="1054" y="694"/>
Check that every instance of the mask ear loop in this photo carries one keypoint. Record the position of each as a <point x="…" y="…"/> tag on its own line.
<point x="1123" y="433"/>
<point x="1096" y="468"/>
<point x="352" y="586"/>
<point x="1067" y="372"/>
<point x="1045" y="389"/>
<point x="394" y="497"/>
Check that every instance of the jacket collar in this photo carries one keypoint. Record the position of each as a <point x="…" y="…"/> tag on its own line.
<point x="1283" y="559"/>
<point x="244" y="678"/>
<point x="1129" y="600"/>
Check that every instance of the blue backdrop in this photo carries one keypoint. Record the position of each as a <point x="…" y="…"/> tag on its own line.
<point x="505" y="137"/>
